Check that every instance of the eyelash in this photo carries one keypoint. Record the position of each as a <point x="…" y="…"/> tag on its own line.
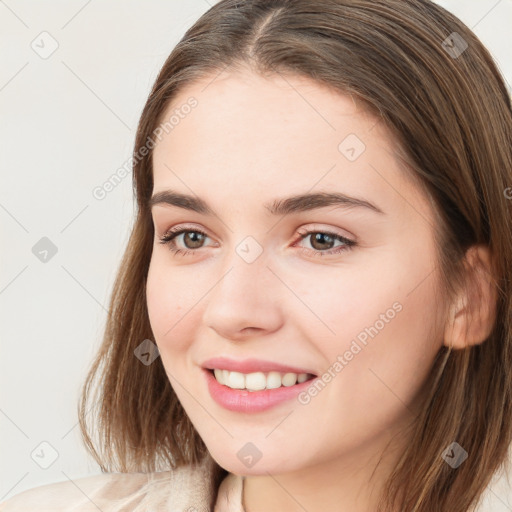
<point x="168" y="239"/>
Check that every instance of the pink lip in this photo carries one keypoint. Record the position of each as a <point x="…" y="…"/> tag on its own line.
<point x="243" y="400"/>
<point x="251" y="365"/>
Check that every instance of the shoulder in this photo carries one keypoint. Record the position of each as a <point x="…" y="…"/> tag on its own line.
<point x="86" y="494"/>
<point x="171" y="490"/>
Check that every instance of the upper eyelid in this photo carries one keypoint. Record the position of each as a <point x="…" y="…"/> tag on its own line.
<point x="302" y="231"/>
<point x="346" y="233"/>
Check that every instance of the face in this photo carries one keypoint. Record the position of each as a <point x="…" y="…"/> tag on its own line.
<point x="344" y="290"/>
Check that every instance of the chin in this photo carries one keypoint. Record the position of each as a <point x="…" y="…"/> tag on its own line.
<point x="240" y="462"/>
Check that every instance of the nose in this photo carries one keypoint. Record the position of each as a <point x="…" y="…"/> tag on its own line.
<point x="246" y="300"/>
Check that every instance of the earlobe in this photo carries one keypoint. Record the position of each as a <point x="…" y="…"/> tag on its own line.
<point x="472" y="314"/>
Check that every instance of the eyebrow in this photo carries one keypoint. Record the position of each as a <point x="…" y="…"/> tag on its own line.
<point x="284" y="206"/>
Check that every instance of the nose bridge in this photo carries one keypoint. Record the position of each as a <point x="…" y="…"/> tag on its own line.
<point x="245" y="294"/>
<point x="245" y="273"/>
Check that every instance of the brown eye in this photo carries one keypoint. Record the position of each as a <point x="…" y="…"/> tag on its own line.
<point x="192" y="240"/>
<point x="322" y="243"/>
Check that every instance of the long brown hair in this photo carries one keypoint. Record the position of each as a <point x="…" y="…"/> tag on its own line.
<point x="442" y="97"/>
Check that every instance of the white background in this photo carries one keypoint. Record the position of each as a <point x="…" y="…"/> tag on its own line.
<point x="67" y="123"/>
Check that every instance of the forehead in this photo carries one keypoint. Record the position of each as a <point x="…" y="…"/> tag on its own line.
<point x="242" y="113"/>
<point x="265" y="136"/>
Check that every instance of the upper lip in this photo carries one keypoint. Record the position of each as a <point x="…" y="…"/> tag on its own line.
<point x="251" y="366"/>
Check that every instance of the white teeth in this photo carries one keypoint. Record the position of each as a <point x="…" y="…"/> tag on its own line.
<point x="258" y="380"/>
<point x="303" y="377"/>
<point x="274" y="380"/>
<point x="236" y="380"/>
<point x="255" y="381"/>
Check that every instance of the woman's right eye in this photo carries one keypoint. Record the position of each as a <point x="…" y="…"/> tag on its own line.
<point x="169" y="239"/>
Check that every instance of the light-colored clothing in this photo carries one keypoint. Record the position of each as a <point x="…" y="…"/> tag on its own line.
<point x="185" y="489"/>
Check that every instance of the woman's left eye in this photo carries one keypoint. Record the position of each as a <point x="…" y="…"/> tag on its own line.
<point x="319" y="241"/>
<point x="325" y="237"/>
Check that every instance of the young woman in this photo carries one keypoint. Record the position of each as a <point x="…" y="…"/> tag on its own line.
<point x="314" y="308"/>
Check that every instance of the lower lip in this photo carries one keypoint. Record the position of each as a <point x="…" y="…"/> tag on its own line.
<point x="242" y="400"/>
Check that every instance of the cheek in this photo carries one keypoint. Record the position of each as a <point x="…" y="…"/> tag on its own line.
<point x="382" y="319"/>
<point x="388" y="348"/>
<point x="157" y="299"/>
<point x="170" y="306"/>
<point x="350" y="299"/>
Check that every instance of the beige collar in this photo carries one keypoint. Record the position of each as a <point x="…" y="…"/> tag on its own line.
<point x="229" y="497"/>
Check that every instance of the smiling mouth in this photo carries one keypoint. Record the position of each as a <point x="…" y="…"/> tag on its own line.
<point x="259" y="381"/>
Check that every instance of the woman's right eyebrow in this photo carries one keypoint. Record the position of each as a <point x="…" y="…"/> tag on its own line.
<point x="283" y="206"/>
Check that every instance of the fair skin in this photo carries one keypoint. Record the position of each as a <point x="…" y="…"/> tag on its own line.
<point x="251" y="140"/>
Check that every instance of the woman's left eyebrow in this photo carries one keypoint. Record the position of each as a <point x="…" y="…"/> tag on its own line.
<point x="283" y="206"/>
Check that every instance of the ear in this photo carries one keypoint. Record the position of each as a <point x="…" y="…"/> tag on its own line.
<point x="472" y="314"/>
